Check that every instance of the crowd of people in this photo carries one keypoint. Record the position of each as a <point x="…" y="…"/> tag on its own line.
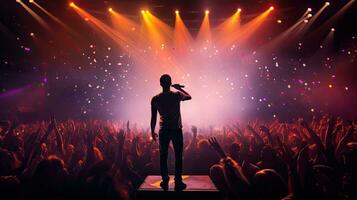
<point x="98" y="159"/>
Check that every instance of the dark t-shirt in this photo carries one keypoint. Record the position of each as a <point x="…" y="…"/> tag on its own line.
<point x="168" y="105"/>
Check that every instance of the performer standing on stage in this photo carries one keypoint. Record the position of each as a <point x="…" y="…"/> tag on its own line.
<point x="167" y="103"/>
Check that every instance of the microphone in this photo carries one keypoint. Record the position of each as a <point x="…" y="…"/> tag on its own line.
<point x="177" y="85"/>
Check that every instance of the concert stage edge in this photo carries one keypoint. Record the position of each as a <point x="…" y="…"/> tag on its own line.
<point x="198" y="187"/>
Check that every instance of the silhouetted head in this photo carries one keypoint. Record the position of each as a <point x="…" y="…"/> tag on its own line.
<point x="165" y="81"/>
<point x="50" y="170"/>
<point x="268" y="184"/>
<point x="267" y="154"/>
<point x="11" y="188"/>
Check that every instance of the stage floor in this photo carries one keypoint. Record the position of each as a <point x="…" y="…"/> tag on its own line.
<point x="194" y="183"/>
<point x="197" y="187"/>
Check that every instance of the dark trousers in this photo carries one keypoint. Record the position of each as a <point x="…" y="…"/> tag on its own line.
<point x="165" y="136"/>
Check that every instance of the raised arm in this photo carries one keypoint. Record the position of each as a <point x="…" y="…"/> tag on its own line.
<point x="186" y="95"/>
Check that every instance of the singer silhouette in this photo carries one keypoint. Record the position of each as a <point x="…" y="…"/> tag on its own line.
<point x="167" y="103"/>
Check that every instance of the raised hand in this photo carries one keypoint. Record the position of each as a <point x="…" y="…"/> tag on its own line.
<point x="303" y="123"/>
<point x="264" y="129"/>
<point x="256" y="135"/>
<point x="121" y="137"/>
<point x="194" y="131"/>
<point x="177" y="86"/>
<point x="215" y="145"/>
<point x="128" y="127"/>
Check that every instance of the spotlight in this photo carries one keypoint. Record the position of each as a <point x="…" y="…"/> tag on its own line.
<point x="239" y="10"/>
<point x="71" y="4"/>
<point x="177" y="12"/>
<point x="142" y="11"/>
<point x="207" y="12"/>
<point x="309" y="9"/>
<point x="279" y="21"/>
<point x="271" y="8"/>
<point x="327" y="3"/>
<point x="147" y="11"/>
<point x="333" y="29"/>
<point x="110" y="9"/>
<point x="18" y="1"/>
<point x="309" y="15"/>
<point x="306" y="20"/>
<point x="31" y="1"/>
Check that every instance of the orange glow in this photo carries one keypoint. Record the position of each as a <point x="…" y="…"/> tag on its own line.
<point x="124" y="25"/>
<point x="177" y="12"/>
<point x="142" y="11"/>
<point x="244" y="32"/>
<point x="271" y="8"/>
<point x="72" y="4"/>
<point x="117" y="37"/>
<point x="159" y="35"/>
<point x="239" y="10"/>
<point x="157" y="183"/>
<point x="110" y="9"/>
<point x="163" y="31"/>
<point x="228" y="26"/>
<point x="204" y="34"/>
<point x="182" y="37"/>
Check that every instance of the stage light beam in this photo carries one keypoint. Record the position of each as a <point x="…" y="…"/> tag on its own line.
<point x="54" y="18"/>
<point x="182" y="37"/>
<point x="204" y="33"/>
<point x="38" y="18"/>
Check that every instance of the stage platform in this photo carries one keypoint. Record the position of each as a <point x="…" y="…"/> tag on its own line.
<point x="198" y="187"/>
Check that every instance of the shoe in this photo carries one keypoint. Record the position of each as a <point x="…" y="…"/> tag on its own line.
<point x="164" y="185"/>
<point x="179" y="186"/>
